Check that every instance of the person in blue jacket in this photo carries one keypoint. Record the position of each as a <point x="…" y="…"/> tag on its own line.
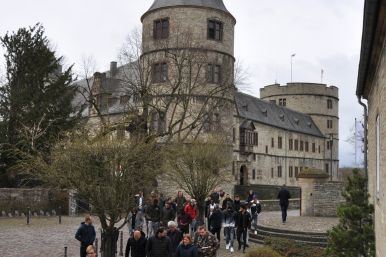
<point x="86" y="235"/>
<point x="187" y="248"/>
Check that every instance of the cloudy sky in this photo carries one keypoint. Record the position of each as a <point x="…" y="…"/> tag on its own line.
<point x="324" y="34"/>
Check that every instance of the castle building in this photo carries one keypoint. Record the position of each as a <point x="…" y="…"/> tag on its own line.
<point x="274" y="138"/>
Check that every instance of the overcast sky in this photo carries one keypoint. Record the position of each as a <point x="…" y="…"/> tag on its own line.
<point x="324" y="34"/>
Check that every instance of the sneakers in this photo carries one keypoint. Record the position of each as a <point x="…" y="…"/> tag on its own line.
<point x="232" y="250"/>
<point x="227" y="246"/>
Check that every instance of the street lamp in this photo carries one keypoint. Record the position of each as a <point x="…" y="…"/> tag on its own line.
<point x="292" y="56"/>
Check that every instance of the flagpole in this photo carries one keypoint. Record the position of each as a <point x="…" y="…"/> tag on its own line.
<point x="292" y="56"/>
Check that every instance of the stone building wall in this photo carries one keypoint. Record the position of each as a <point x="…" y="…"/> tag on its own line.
<point x="377" y="108"/>
<point x="327" y="196"/>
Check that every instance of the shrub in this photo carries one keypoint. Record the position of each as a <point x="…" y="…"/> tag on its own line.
<point x="263" y="252"/>
<point x="291" y="248"/>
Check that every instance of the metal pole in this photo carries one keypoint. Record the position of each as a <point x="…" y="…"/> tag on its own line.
<point x="65" y="251"/>
<point x="28" y="215"/>
<point x="60" y="215"/>
<point x="121" y="248"/>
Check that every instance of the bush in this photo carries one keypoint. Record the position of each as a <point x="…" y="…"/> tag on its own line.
<point x="291" y="248"/>
<point x="263" y="252"/>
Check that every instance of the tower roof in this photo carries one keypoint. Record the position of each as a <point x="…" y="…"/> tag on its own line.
<point x="213" y="4"/>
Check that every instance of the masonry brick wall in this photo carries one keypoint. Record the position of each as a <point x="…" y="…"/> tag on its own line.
<point x="327" y="196"/>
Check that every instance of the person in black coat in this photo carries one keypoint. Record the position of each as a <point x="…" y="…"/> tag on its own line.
<point x="175" y="236"/>
<point x="243" y="223"/>
<point x="86" y="235"/>
<point x="215" y="222"/>
<point x="136" y="244"/>
<point x="159" y="245"/>
<point x="284" y="196"/>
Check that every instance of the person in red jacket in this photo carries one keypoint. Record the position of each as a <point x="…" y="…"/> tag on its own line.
<point x="191" y="210"/>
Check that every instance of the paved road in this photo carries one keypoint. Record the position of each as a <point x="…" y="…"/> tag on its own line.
<point x="45" y="237"/>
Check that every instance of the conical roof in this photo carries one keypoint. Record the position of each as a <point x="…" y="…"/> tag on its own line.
<point x="214" y="4"/>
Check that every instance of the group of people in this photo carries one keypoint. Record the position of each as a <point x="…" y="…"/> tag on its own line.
<point x="173" y="228"/>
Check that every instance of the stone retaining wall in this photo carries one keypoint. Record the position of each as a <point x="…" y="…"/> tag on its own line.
<point x="17" y="200"/>
<point x="273" y="205"/>
<point x="327" y="198"/>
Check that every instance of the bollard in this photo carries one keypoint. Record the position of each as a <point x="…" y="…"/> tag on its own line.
<point x="60" y="214"/>
<point x="28" y="214"/>
<point x="96" y="247"/>
<point x="121" y="248"/>
<point x="65" y="251"/>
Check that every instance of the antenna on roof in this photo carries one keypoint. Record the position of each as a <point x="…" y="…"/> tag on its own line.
<point x="321" y="76"/>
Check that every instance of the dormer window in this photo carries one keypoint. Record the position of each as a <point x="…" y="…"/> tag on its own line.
<point x="296" y="121"/>
<point x="281" y="116"/>
<point x="161" y="28"/>
<point x="215" y="29"/>
<point x="265" y="112"/>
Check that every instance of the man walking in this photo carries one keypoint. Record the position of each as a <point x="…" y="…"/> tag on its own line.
<point x="284" y="196"/>
<point x="243" y="223"/>
<point x="206" y="243"/>
<point x="136" y="244"/>
<point x="86" y="235"/>
<point x="159" y="245"/>
<point x="174" y="235"/>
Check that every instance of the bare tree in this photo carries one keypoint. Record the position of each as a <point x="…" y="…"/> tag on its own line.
<point x="179" y="101"/>
<point x="200" y="166"/>
<point x="109" y="171"/>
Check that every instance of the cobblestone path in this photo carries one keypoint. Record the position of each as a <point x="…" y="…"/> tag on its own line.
<point x="45" y="237"/>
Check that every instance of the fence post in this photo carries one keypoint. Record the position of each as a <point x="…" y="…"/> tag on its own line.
<point x="60" y="214"/>
<point x="96" y="247"/>
<point x="28" y="214"/>
<point x="121" y="248"/>
<point x="65" y="251"/>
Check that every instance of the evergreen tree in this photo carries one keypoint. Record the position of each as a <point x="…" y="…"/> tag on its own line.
<point x="354" y="235"/>
<point x="35" y="101"/>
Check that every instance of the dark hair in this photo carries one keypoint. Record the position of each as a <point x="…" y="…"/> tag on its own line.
<point x="160" y="230"/>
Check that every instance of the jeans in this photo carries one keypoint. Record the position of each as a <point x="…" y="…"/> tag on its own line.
<point x="229" y="235"/>
<point x="193" y="227"/>
<point x="254" y="221"/>
<point x="284" y="208"/>
<point x="154" y="227"/>
<point x="243" y="232"/>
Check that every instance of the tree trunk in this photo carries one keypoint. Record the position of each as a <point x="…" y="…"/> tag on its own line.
<point x="201" y="211"/>
<point x="109" y="242"/>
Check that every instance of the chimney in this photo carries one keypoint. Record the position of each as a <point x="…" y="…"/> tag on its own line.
<point x="113" y="69"/>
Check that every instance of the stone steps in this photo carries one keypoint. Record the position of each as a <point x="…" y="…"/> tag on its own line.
<point x="310" y="238"/>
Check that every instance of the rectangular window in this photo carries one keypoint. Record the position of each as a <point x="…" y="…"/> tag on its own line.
<point x="280" y="142"/>
<point x="326" y="168"/>
<point x="329" y="124"/>
<point x="290" y="144"/>
<point x="301" y="145"/>
<point x="306" y="146"/>
<point x="160" y="72"/>
<point x="214" y="73"/>
<point x="124" y="99"/>
<point x="313" y="148"/>
<point x="266" y="149"/>
<point x="215" y="29"/>
<point x="282" y="101"/>
<point x="272" y="173"/>
<point x="378" y="156"/>
<point x="328" y="145"/>
<point x="290" y="172"/>
<point x="272" y="142"/>
<point x="296" y="171"/>
<point x="319" y="148"/>
<point x="234" y="135"/>
<point x="279" y="171"/>
<point x="161" y="28"/>
<point x="296" y="145"/>
<point x="253" y="174"/>
<point x="329" y="104"/>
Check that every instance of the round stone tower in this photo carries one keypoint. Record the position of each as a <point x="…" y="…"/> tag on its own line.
<point x="190" y="46"/>
<point x="319" y="101"/>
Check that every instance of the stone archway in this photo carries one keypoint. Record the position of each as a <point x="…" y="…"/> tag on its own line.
<point x="243" y="175"/>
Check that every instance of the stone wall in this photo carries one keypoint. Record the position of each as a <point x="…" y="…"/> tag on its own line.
<point x="273" y="205"/>
<point x="327" y="198"/>
<point x="265" y="192"/>
<point x="37" y="199"/>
